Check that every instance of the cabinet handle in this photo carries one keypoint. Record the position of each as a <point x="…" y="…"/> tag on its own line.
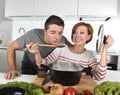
<point x="21" y="29"/>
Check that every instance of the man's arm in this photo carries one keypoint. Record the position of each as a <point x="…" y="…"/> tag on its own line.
<point x="11" y="56"/>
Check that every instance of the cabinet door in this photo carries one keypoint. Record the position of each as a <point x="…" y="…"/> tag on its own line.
<point x="98" y="7"/>
<point x="2" y="2"/>
<point x="56" y="7"/>
<point x="4" y="63"/>
<point x="19" y="8"/>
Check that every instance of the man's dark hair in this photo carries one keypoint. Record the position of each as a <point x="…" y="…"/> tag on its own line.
<point x="53" y="19"/>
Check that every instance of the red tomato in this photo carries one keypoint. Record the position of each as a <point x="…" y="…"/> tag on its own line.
<point x="70" y="91"/>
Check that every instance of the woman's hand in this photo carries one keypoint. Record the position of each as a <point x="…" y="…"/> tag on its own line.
<point x="109" y="41"/>
<point x="33" y="48"/>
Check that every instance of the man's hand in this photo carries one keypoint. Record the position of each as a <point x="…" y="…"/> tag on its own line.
<point x="33" y="48"/>
<point x="12" y="74"/>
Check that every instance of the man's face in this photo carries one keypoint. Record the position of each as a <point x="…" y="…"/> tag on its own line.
<point x="53" y="34"/>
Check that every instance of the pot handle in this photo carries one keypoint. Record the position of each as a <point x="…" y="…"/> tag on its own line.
<point x="43" y="70"/>
<point x="45" y="67"/>
<point x="87" y="71"/>
<point x="104" y="40"/>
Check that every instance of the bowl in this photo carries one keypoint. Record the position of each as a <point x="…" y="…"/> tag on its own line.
<point x="11" y="91"/>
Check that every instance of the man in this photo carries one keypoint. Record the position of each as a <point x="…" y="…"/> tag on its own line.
<point x="51" y="34"/>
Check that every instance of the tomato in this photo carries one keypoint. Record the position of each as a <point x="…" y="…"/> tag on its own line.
<point x="70" y="91"/>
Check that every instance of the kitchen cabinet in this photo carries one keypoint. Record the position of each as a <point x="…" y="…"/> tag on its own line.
<point x="19" y="8"/>
<point x="98" y="7"/>
<point x="119" y="7"/>
<point x="2" y="5"/>
<point x="40" y="7"/>
<point x="61" y="7"/>
<point x="57" y="7"/>
<point x="4" y="63"/>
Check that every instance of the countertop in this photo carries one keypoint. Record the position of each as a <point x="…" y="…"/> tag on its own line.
<point x="3" y="47"/>
<point x="26" y="78"/>
<point x="110" y="76"/>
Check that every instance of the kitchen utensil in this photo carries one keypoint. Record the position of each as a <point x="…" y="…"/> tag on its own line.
<point x="46" y="80"/>
<point x="65" y="77"/>
<point x="43" y="71"/>
<point x="101" y="39"/>
<point x="11" y="91"/>
<point x="51" y="45"/>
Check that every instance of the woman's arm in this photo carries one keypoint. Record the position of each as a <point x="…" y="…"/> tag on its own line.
<point x="108" y="43"/>
<point x="99" y="70"/>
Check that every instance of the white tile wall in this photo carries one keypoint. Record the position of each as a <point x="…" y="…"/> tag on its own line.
<point x="5" y="32"/>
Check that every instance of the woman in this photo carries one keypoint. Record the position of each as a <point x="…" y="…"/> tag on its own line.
<point x="82" y="33"/>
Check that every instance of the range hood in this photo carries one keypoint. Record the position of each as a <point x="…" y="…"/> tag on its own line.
<point x="94" y="18"/>
<point x="73" y="18"/>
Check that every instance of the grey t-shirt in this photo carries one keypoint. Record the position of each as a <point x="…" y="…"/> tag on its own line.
<point x="36" y="36"/>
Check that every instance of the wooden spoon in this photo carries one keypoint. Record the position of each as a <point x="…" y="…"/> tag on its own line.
<point x="50" y="45"/>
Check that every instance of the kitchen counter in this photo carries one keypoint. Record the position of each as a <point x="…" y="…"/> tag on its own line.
<point x="26" y="78"/>
<point x="3" y="47"/>
<point x="110" y="76"/>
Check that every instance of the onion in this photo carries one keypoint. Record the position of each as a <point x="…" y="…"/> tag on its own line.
<point x="57" y="89"/>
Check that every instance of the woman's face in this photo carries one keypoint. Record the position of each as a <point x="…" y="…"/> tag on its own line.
<point x="80" y="37"/>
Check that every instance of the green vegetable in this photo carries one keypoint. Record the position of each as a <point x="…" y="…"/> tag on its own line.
<point x="1" y="41"/>
<point x="107" y="88"/>
<point x="30" y="88"/>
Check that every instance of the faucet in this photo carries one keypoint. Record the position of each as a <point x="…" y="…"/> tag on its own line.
<point x="21" y="29"/>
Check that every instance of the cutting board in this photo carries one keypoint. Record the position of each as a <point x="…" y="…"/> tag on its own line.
<point x="85" y="83"/>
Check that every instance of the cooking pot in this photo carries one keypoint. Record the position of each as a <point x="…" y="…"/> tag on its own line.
<point x="67" y="74"/>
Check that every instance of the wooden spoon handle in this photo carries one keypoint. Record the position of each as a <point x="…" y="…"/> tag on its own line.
<point x="57" y="45"/>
